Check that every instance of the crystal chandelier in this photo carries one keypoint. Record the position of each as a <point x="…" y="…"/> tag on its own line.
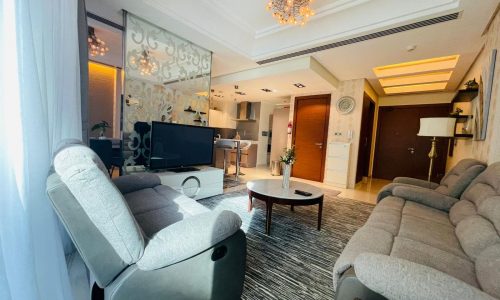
<point x="144" y="62"/>
<point x="290" y="12"/>
<point x="97" y="47"/>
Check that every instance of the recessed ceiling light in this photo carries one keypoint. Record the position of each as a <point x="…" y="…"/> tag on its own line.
<point x="416" y="79"/>
<point x="415" y="88"/>
<point x="240" y="93"/>
<point x="299" y="85"/>
<point x="266" y="90"/>
<point x="418" y="66"/>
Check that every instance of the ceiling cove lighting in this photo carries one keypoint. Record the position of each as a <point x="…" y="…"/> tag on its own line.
<point x="416" y="88"/>
<point x="299" y="85"/>
<point x="418" y="66"/>
<point x="290" y="12"/>
<point x="416" y="79"/>
<point x="96" y="46"/>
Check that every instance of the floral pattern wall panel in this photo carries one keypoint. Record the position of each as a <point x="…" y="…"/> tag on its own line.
<point x="167" y="78"/>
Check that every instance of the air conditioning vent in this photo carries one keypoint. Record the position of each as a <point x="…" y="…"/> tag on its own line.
<point x="362" y="38"/>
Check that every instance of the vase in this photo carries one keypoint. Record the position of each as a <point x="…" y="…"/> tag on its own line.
<point x="287" y="168"/>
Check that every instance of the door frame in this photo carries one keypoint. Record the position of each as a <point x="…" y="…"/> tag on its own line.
<point x="325" y="132"/>
<point x="370" y="142"/>
<point x="377" y="141"/>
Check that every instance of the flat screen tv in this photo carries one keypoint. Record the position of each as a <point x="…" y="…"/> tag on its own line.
<point x="179" y="146"/>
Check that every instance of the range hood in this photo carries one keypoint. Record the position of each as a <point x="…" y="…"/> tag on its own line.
<point x="245" y="112"/>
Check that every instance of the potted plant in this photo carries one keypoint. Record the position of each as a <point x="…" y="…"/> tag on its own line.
<point x="287" y="160"/>
<point x="101" y="126"/>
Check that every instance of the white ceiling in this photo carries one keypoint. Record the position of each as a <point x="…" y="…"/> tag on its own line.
<point x="241" y="32"/>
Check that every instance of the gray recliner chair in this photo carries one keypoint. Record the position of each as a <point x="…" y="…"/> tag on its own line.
<point x="144" y="240"/>
<point x="453" y="183"/>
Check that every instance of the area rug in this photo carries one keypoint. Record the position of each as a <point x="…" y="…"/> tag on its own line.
<point x="296" y="260"/>
<point x="229" y="183"/>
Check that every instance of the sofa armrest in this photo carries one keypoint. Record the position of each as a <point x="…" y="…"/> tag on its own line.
<point x="135" y="182"/>
<point x="397" y="278"/>
<point x="425" y="196"/>
<point x="187" y="238"/>
<point x="416" y="182"/>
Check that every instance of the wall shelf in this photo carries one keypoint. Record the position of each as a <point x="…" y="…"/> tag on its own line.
<point x="194" y="111"/>
<point x="465" y="95"/>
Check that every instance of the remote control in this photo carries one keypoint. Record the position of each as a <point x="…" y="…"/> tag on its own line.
<point x="303" y="193"/>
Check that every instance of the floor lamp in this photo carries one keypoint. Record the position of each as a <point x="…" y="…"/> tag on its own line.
<point x="436" y="127"/>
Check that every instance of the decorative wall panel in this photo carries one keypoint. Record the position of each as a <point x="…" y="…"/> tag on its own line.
<point x="166" y="79"/>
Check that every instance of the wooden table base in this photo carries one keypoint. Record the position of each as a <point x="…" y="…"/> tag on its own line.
<point x="269" y="207"/>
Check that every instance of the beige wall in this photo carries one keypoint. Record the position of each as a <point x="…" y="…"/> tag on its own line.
<point x="280" y="135"/>
<point x="489" y="149"/>
<point x="104" y="87"/>
<point x="341" y="124"/>
<point x="266" y="109"/>
<point x="373" y="95"/>
<point x="416" y="99"/>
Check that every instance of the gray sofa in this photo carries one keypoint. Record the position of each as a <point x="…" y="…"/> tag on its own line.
<point x="413" y="248"/>
<point x="452" y="185"/>
<point x="141" y="239"/>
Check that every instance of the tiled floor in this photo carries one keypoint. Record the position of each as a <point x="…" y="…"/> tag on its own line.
<point x="364" y="191"/>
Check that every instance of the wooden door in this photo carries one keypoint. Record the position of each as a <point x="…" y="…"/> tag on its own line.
<point x="365" y="138"/>
<point x="310" y="136"/>
<point x="399" y="151"/>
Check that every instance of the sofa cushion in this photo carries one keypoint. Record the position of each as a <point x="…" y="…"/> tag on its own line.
<point x="456" y="266"/>
<point x="81" y="170"/>
<point x="475" y="234"/>
<point x="145" y="200"/>
<point x="428" y="213"/>
<point x="366" y="239"/>
<point x="161" y="206"/>
<point x="135" y="182"/>
<point x="459" y="177"/>
<point x="488" y="270"/>
<point x="461" y="210"/>
<point x="387" y="215"/>
<point x="431" y="233"/>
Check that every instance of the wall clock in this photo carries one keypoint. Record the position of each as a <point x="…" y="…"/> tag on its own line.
<point x="345" y="105"/>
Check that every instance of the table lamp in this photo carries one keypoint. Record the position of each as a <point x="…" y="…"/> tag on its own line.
<point x="436" y="127"/>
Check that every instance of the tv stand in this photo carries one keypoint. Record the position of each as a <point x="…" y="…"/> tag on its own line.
<point x="197" y="183"/>
<point x="183" y="169"/>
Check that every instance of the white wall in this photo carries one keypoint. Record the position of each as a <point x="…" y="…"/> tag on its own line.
<point x="280" y="135"/>
<point x="266" y="109"/>
<point x="489" y="149"/>
<point x="222" y="114"/>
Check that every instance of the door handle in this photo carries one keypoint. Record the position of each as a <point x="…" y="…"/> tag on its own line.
<point x="411" y="150"/>
<point x="319" y="144"/>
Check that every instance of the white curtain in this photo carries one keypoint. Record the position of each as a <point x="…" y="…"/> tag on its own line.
<point x="39" y="106"/>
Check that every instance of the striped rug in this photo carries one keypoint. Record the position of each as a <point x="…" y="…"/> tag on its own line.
<point x="296" y="260"/>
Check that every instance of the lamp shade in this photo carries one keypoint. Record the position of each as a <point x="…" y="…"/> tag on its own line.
<point x="437" y="127"/>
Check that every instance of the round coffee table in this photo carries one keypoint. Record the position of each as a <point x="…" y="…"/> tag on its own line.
<point x="271" y="192"/>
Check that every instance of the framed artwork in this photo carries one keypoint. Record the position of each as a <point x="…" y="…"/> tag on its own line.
<point x="485" y="90"/>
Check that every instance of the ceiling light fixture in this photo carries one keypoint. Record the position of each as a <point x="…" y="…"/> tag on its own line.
<point x="266" y="90"/>
<point x="96" y="46"/>
<point x="240" y="93"/>
<point x="291" y="12"/>
<point x="416" y="88"/>
<point x="144" y="62"/>
<point x="299" y="85"/>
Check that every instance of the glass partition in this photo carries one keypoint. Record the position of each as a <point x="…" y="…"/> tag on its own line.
<point x="167" y="78"/>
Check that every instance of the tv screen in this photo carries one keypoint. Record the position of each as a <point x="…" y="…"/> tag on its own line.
<point x="175" y="145"/>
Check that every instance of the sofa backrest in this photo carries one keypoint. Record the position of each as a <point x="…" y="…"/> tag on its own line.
<point x="477" y="220"/>
<point x="94" y="213"/>
<point x="459" y="177"/>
